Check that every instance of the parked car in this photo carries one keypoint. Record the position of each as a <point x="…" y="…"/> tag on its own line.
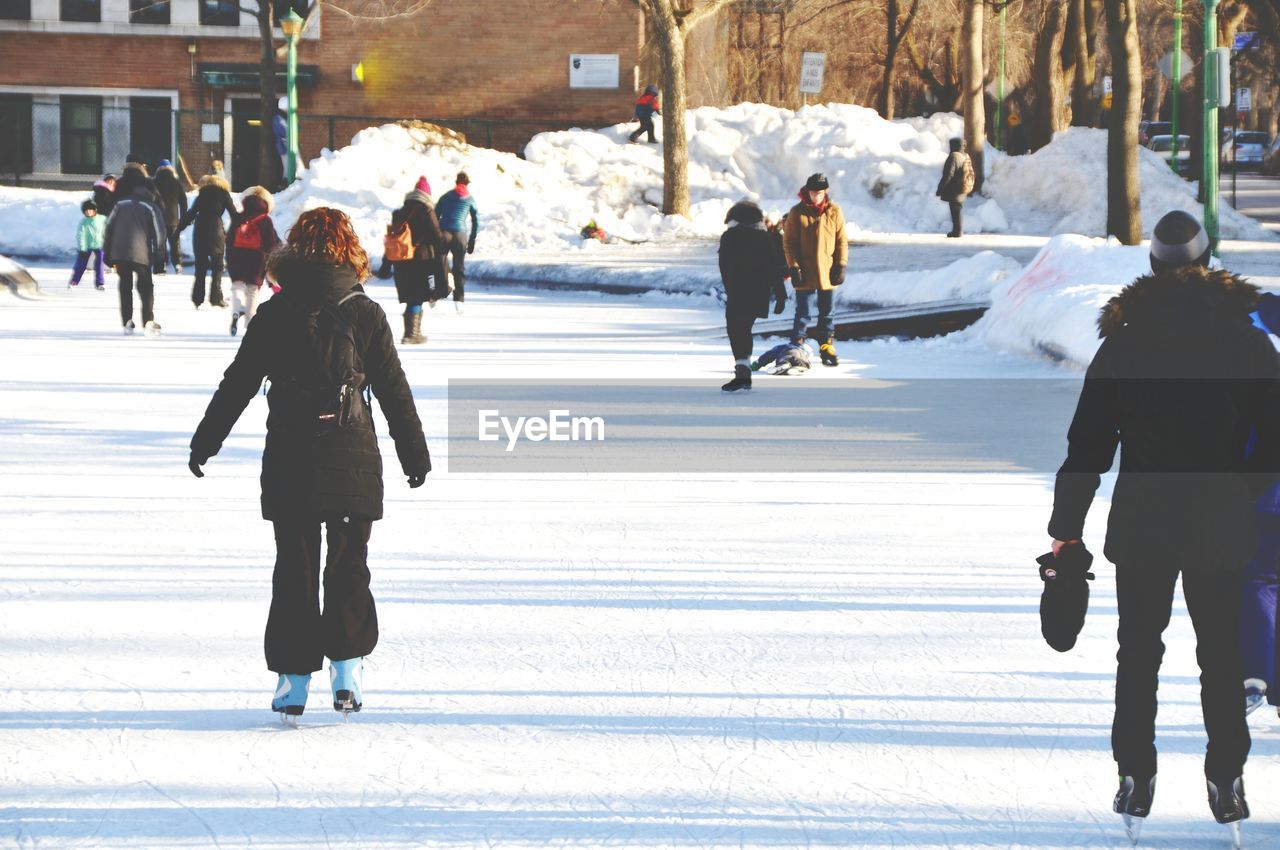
<point x="1271" y="157"/>
<point x="1163" y="145"/>
<point x="1245" y="150"/>
<point x="1148" y="129"/>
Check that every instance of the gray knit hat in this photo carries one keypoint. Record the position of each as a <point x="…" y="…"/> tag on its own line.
<point x="1178" y="240"/>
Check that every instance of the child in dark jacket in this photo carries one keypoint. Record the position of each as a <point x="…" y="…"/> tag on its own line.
<point x="647" y="106"/>
<point x="752" y="268"/>
<point x="253" y="237"/>
<point x="89" y="236"/>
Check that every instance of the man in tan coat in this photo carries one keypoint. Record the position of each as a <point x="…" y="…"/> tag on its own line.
<point x="817" y="253"/>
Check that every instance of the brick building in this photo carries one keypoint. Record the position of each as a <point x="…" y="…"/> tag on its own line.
<point x="84" y="82"/>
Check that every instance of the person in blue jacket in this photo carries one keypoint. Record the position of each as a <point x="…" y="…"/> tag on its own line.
<point x="453" y="209"/>
<point x="647" y="106"/>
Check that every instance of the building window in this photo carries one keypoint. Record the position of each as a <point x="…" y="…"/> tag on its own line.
<point x="81" y="135"/>
<point x="15" y="134"/>
<point x="88" y="11"/>
<point x="148" y="11"/>
<point x="15" y="10"/>
<point x="151" y="129"/>
<point x="219" y="13"/>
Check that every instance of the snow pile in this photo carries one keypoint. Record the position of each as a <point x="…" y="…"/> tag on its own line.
<point x="1052" y="306"/>
<point x="970" y="279"/>
<point x="1062" y="188"/>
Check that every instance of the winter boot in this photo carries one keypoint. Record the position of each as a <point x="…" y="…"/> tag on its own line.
<point x="413" y="329"/>
<point x="151" y="329"/>
<point x="741" y="379"/>
<point x="828" y="352"/>
<point x="1226" y="799"/>
<point x="344" y="679"/>
<point x="128" y="328"/>
<point x="291" y="694"/>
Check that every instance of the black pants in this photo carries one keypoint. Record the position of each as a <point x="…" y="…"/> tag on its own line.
<point x="455" y="247"/>
<point x="206" y="263"/>
<point x="299" y="637"/>
<point x="646" y="126"/>
<point x="175" y="246"/>
<point x="740" y="339"/>
<point x="146" y="292"/>
<point x="1144" y="593"/>
<point x="957" y="217"/>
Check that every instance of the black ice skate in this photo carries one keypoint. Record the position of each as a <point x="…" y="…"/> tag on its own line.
<point x="1133" y="803"/>
<point x="1226" y="801"/>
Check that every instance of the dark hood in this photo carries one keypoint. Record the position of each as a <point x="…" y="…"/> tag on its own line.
<point x="308" y="284"/>
<point x="1190" y="301"/>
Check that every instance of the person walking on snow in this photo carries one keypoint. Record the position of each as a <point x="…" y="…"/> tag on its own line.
<point x="421" y="278"/>
<point x="210" y="238"/>
<point x="816" y="253"/>
<point x="134" y="243"/>
<point x="647" y="106"/>
<point x="1179" y="383"/>
<point x="324" y="345"/>
<point x="453" y="209"/>
<point x="252" y="238"/>
<point x="956" y="184"/>
<point x="90" y="233"/>
<point x="752" y="269"/>
<point x="173" y="203"/>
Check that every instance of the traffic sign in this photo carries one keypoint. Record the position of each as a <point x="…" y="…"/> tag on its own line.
<point x="1244" y="100"/>
<point x="811" y="68"/>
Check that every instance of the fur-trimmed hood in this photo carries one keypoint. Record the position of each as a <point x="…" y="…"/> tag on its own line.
<point x="1184" y="300"/>
<point x="215" y="180"/>
<point x="261" y="194"/>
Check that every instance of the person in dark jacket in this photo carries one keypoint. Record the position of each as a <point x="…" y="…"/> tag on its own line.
<point x="952" y="188"/>
<point x="1181" y="380"/>
<point x="253" y="237"/>
<point x="454" y="208"/>
<point x="173" y="203"/>
<point x="104" y="195"/>
<point x="647" y="106"/>
<point x="752" y="268"/>
<point x="210" y="238"/>
<point x="315" y="471"/>
<point x="421" y="279"/>
<point x="134" y="243"/>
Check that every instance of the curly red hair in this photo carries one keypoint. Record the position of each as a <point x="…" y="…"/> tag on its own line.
<point x="325" y="234"/>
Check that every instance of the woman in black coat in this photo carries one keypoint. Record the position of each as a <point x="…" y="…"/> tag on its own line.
<point x="422" y="278"/>
<point x="210" y="238"/>
<point x="324" y="345"/>
<point x="752" y="267"/>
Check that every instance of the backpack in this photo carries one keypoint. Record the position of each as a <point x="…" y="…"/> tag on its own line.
<point x="248" y="234"/>
<point x="397" y="245"/>
<point x="325" y="380"/>
<point x="967" y="178"/>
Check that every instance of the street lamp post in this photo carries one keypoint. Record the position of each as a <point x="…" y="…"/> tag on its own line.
<point x="291" y="25"/>
<point x="1175" y="69"/>
<point x="1210" y="164"/>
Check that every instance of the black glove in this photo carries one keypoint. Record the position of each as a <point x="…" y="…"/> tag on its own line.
<point x="417" y="480"/>
<point x="471" y="246"/>
<point x="194" y="465"/>
<point x="796" y="276"/>
<point x="780" y="304"/>
<point x="837" y="274"/>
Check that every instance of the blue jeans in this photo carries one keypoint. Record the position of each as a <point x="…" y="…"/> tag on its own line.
<point x="804" y="312"/>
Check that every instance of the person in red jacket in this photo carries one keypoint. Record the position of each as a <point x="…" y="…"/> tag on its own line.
<point x="253" y="237"/>
<point x="647" y="106"/>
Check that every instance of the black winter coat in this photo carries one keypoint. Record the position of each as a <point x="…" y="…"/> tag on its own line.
<point x="304" y="475"/>
<point x="173" y="201"/>
<point x="752" y="268"/>
<point x="413" y="277"/>
<point x="1181" y="382"/>
<point x="213" y="199"/>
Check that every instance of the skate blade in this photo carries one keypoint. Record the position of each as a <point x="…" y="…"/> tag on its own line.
<point x="1235" y="834"/>
<point x="289" y="720"/>
<point x="1132" y="828"/>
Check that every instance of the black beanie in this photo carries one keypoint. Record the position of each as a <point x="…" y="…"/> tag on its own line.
<point x="1178" y="240"/>
<point x="745" y="212"/>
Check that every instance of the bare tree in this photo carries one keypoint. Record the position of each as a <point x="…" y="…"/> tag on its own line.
<point x="1124" y="213"/>
<point x="897" y="28"/>
<point x="1080" y="60"/>
<point x="975" y="76"/>
<point x="671" y="22"/>
<point x="1047" y="77"/>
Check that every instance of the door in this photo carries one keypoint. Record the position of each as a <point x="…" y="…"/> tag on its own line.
<point x="151" y="129"/>
<point x="246" y="124"/>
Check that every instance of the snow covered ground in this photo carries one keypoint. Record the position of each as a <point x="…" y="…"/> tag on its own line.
<point x="742" y="660"/>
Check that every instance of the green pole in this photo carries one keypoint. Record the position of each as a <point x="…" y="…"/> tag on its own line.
<point x="1210" y="145"/>
<point x="292" y="25"/>
<point x="1176" y="68"/>
<point x="1000" y="85"/>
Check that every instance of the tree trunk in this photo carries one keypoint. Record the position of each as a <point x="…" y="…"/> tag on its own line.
<point x="1084" y="30"/>
<point x="1124" y="212"/>
<point x="270" y="172"/>
<point x="1047" y="79"/>
<point x="675" y="144"/>
<point x="890" y="59"/>
<point x="974" y="76"/>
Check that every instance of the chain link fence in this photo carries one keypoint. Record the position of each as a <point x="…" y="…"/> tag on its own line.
<point x="67" y="141"/>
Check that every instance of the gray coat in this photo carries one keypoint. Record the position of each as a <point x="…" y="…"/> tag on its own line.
<point x="951" y="186"/>
<point x="135" y="232"/>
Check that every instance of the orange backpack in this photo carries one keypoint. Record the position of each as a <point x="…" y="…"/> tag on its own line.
<point x="397" y="245"/>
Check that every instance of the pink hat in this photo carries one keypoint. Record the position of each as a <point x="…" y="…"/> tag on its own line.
<point x="423" y="186"/>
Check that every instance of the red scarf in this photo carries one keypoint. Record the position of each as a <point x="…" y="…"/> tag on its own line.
<point x="807" y="200"/>
<point x="462" y="190"/>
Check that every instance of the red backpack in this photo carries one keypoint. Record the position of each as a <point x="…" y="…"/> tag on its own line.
<point x="248" y="234"/>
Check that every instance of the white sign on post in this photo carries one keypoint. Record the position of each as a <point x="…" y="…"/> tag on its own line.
<point x="211" y="133"/>
<point x="593" y="70"/>
<point x="1244" y="100"/>
<point x="811" y="68"/>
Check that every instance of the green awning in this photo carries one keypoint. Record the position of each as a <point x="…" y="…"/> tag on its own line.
<point x="245" y="75"/>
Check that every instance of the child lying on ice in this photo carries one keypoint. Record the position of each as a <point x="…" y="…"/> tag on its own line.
<point x="787" y="358"/>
